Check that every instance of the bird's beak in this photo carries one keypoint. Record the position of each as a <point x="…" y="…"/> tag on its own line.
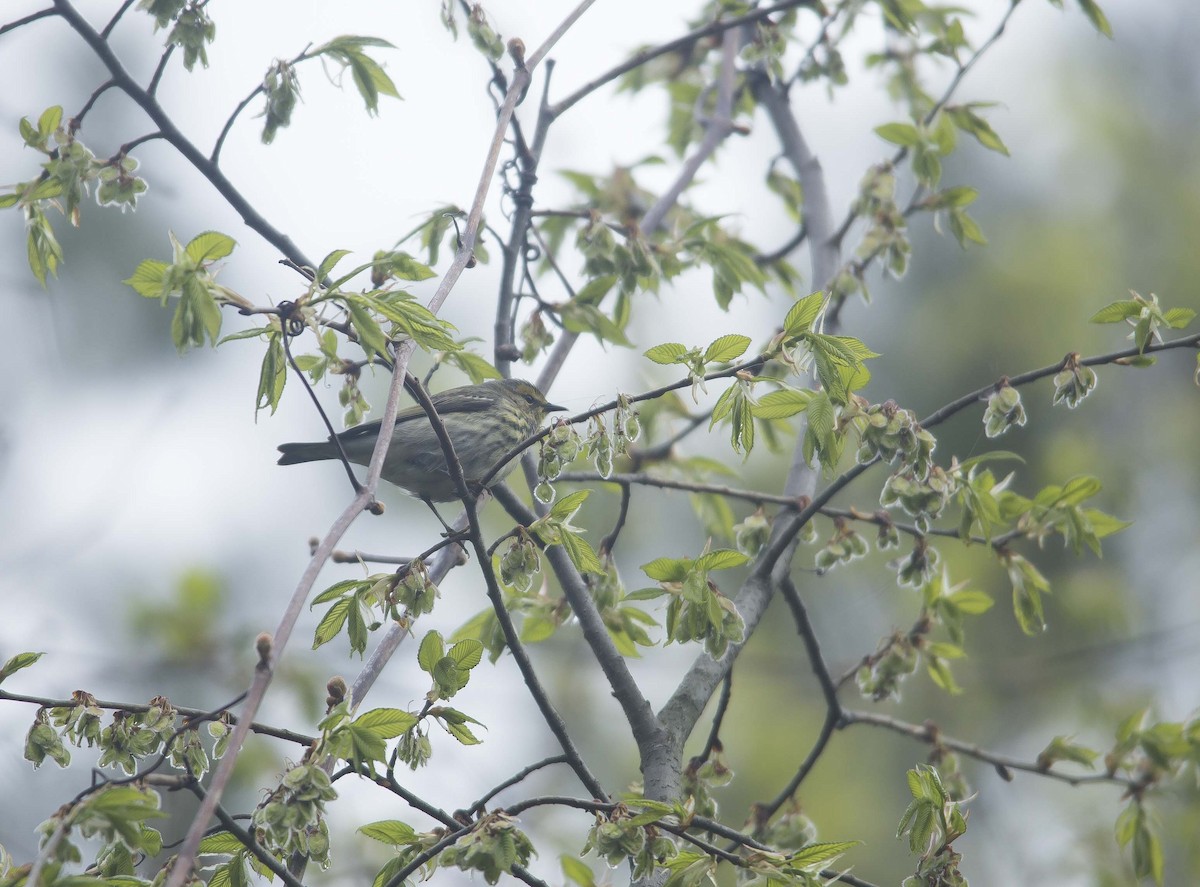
<point x="555" y="408"/>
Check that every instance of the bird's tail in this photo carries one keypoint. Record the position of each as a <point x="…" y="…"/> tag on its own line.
<point x="294" y="453"/>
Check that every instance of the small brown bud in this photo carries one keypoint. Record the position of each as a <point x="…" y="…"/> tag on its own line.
<point x="516" y="50"/>
<point x="337" y="689"/>
<point x="263" y="644"/>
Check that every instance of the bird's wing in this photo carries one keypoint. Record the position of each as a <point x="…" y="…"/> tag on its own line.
<point x="455" y="400"/>
<point x="365" y="431"/>
<point x="459" y="400"/>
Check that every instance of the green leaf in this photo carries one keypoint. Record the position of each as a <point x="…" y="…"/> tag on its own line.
<point x="330" y="261"/>
<point x="725" y="402"/>
<point x="577" y="871"/>
<point x="273" y="375"/>
<point x="667" y="569"/>
<point x="903" y="134"/>
<point x="431" y="652"/>
<point x="941" y="675"/>
<point x="390" y="831"/>
<point x="387" y="723"/>
<point x="781" y="404"/>
<point x="221" y="842"/>
<point x="667" y="353"/>
<point x="331" y="623"/>
<point x="50" y="121"/>
<point x="209" y="246"/>
<point x="455" y="723"/>
<point x="721" y="559"/>
<point x="18" y="662"/>
<point x="1096" y="16"/>
<point x="580" y="318"/>
<point x="957" y="197"/>
<point x="1115" y="312"/>
<point x="467" y="653"/>
<point x="473" y="365"/>
<point x="965" y="118"/>
<point x="149" y="279"/>
<point x="965" y="229"/>
<point x="1178" y="318"/>
<point x="820" y="415"/>
<point x="803" y="314"/>
<point x="726" y="348"/>
<point x="594" y="291"/>
<point x="369" y="78"/>
<point x="819" y="854"/>
<point x="971" y="603"/>
<point x="1061" y="748"/>
<point x="252" y="333"/>
<point x="370" y="334"/>
<point x="581" y="553"/>
<point x="402" y="266"/>
<point x="337" y="590"/>
<point x="564" y="509"/>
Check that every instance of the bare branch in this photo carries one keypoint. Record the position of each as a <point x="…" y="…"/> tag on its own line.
<point x="478" y="806"/>
<point x="687" y="40"/>
<point x="929" y="733"/>
<point x="29" y="19"/>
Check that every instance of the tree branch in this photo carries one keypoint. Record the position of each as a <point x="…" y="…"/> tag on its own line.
<point x="833" y="708"/>
<point x="511" y="637"/>
<point x="684" y="707"/>
<point x="646" y="730"/>
<point x="144" y="100"/>
<point x="246" y="839"/>
<point x="640" y="58"/>
<point x="516" y="778"/>
<point x="32" y="17"/>
<point x="195" y="714"/>
<point x="929" y="733"/>
<point x="396" y="633"/>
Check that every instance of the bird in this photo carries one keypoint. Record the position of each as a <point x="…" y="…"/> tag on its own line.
<point x="485" y="422"/>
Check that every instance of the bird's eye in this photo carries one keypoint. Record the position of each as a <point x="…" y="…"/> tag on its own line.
<point x="531" y="400"/>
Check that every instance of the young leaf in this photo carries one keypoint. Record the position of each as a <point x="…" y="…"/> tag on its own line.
<point x="386" y="723"/>
<point x="801" y="316"/>
<point x="667" y="353"/>
<point x="903" y="134"/>
<point x="18" y="662"/>
<point x="726" y="348"/>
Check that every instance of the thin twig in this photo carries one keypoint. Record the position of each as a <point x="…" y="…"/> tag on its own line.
<point x="117" y="16"/>
<point x="609" y="542"/>
<point x="215" y="155"/>
<point x="478" y="806"/>
<point x="640" y="58"/>
<point x="646" y="729"/>
<point x="395" y="633"/>
<point x="511" y="637"/>
<point x="833" y="708"/>
<point x="32" y="17"/>
<point x="160" y="69"/>
<point x="943" y="413"/>
<point x="931" y="734"/>
<point x="77" y="120"/>
<point x="714" y="733"/>
<point x="247" y="840"/>
<point x="192" y="713"/>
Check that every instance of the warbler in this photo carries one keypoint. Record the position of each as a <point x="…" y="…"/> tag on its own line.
<point x="484" y="422"/>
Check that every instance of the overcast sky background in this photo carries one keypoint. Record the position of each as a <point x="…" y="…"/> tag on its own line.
<point x="122" y="465"/>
